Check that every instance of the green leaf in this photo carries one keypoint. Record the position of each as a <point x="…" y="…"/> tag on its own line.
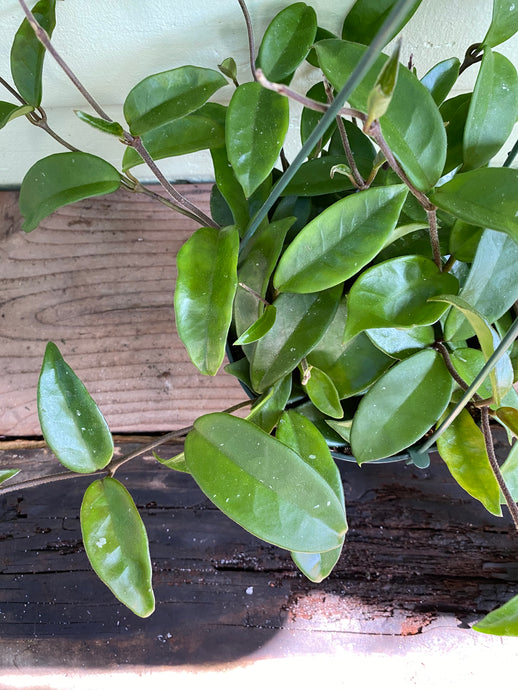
<point x="230" y="188"/>
<point x="204" y="293"/>
<point x="7" y="474"/>
<point x="229" y="68"/>
<point x="467" y="363"/>
<point x="402" y="342"/>
<point x="297" y="432"/>
<point x="62" y="179"/>
<point x="267" y="410"/>
<point x="395" y="294"/>
<point x="10" y="111"/>
<point x="509" y="469"/>
<point x="71" y="423"/>
<point x="401" y="406"/>
<point x="509" y="417"/>
<point x="366" y="17"/>
<point x="313" y="178"/>
<point x="454" y="113"/>
<point x="354" y="366"/>
<point x="301" y="322"/>
<point x="169" y="95"/>
<point x="342" y="428"/>
<point x="340" y="241"/>
<point x="257" y="122"/>
<point x="28" y="54"/>
<point x="113" y="128"/>
<point x="416" y="135"/>
<point x="496" y="208"/>
<point x="440" y="79"/>
<point x="310" y="118"/>
<point x="203" y="129"/>
<point x="263" y="485"/>
<point x="491" y="286"/>
<point x="501" y="376"/>
<point x="464" y="240"/>
<point x="504" y="23"/>
<point x="258" y="329"/>
<point x="175" y="463"/>
<point x="380" y="96"/>
<point x="501" y="621"/>
<point x="323" y="394"/>
<point x="463" y="449"/>
<point x="287" y="41"/>
<point x="493" y="110"/>
<point x="116" y="544"/>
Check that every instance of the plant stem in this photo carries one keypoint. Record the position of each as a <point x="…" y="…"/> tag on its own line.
<point x="434" y="236"/>
<point x="511" y="155"/>
<point x="114" y="465"/>
<point x="41" y="122"/>
<point x="443" y="351"/>
<point x="12" y="91"/>
<point x="488" y="438"/>
<point x="254" y="293"/>
<point x="250" y="32"/>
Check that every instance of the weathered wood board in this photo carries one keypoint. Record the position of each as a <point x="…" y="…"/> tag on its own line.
<point x="97" y="278"/>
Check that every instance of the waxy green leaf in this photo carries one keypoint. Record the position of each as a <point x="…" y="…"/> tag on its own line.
<point x="167" y="96"/>
<point x="297" y="432"/>
<point x="230" y="188"/>
<point x="501" y="621"/>
<point x="301" y="322"/>
<point x="402" y="342"/>
<point x="287" y="41"/>
<point x="504" y="23"/>
<point x="464" y="240"/>
<point x="310" y="118"/>
<point x="267" y="410"/>
<point x="340" y="241"/>
<point x="314" y="178"/>
<point x="440" y="79"/>
<point x="258" y="329"/>
<point x="366" y="17"/>
<point x="10" y="111"/>
<point x="203" y="129"/>
<point x="454" y="113"/>
<point x="416" y="135"/>
<point x="7" y="474"/>
<point x="509" y="417"/>
<point x="468" y="362"/>
<point x="492" y="112"/>
<point x="113" y="128"/>
<point x="229" y="68"/>
<point x="177" y="462"/>
<point x="263" y="485"/>
<point x="28" y="54"/>
<point x="62" y="179"/>
<point x="323" y="394"/>
<point x="496" y="208"/>
<point x="401" y="407"/>
<point x="204" y="294"/>
<point x="71" y="423"/>
<point x="257" y="122"/>
<point x="116" y="544"/>
<point x="395" y="294"/>
<point x="509" y="469"/>
<point x="463" y="449"/>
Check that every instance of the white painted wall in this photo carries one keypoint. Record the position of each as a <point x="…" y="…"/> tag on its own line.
<point x="113" y="44"/>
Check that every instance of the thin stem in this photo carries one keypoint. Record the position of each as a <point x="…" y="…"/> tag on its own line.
<point x="12" y="91"/>
<point x="488" y="439"/>
<point x="254" y="293"/>
<point x="44" y="39"/>
<point x="250" y="32"/>
<point x="511" y="155"/>
<point x="41" y="122"/>
<point x="359" y="182"/>
<point x="114" y="465"/>
<point x="434" y="236"/>
<point x="443" y="351"/>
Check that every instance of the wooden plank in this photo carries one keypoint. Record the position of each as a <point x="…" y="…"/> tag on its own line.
<point x="420" y="557"/>
<point x="97" y="278"/>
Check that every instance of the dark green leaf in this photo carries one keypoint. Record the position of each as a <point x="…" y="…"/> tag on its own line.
<point x="257" y="122"/>
<point x="267" y="410"/>
<point x="416" y="135"/>
<point x="504" y="23"/>
<point x="203" y="129"/>
<point x="310" y="118"/>
<point x="28" y="54"/>
<point x="395" y="294"/>
<point x="366" y="17"/>
<point x="401" y="406"/>
<point x="463" y="449"/>
<point x="362" y="148"/>
<point x="493" y="110"/>
<point x="467" y="363"/>
<point x="297" y="432"/>
<point x="204" y="294"/>
<point x="263" y="485"/>
<point x="492" y="283"/>
<point x="323" y="394"/>
<point x="340" y="241"/>
<point x="113" y="128"/>
<point x="175" y="463"/>
<point x="301" y="322"/>
<point x="496" y="208"/>
<point x="402" y="342"/>
<point x="170" y="95"/>
<point x="258" y="329"/>
<point x="501" y="621"/>
<point x="10" y="111"/>
<point x="440" y="79"/>
<point x="229" y="68"/>
<point x="219" y="209"/>
<point x="353" y="366"/>
<point x="7" y="474"/>
<point x="342" y="428"/>
<point x="509" y="417"/>
<point x="464" y="239"/>
<point x="230" y="188"/>
<point x="454" y="113"/>
<point x="313" y="178"/>
<point x="287" y="41"/>
<point x="71" y="423"/>
<point x="116" y="544"/>
<point x="62" y="179"/>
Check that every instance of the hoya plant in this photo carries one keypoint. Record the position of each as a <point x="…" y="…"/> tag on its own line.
<point x="364" y="291"/>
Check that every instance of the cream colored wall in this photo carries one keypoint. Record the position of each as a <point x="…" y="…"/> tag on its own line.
<point x="112" y="44"/>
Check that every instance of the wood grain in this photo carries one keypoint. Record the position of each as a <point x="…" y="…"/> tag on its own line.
<point x="97" y="278"/>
